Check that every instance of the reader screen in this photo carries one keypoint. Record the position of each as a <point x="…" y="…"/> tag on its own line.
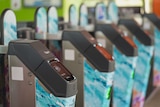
<point x="62" y="71"/>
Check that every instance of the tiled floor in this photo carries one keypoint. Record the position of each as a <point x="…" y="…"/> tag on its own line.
<point x="154" y="99"/>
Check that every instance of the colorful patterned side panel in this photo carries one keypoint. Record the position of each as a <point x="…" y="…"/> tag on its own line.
<point x="73" y="16"/>
<point x="83" y="16"/>
<point x="10" y="27"/>
<point x="113" y="12"/>
<point x="9" y="33"/>
<point x="52" y="20"/>
<point x="142" y="73"/>
<point x="97" y="87"/>
<point x="123" y="79"/>
<point x="45" y="99"/>
<point x="41" y="21"/>
<point x="101" y="12"/>
<point x="156" y="77"/>
<point x="41" y="24"/>
<point x="54" y="46"/>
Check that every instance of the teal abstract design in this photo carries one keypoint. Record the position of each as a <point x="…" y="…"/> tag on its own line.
<point x="101" y="12"/>
<point x="45" y="99"/>
<point x="41" y="20"/>
<point x="83" y="16"/>
<point x="113" y="12"/>
<point x="156" y="78"/>
<point x="52" y="21"/>
<point x="73" y="16"/>
<point x="142" y="73"/>
<point x="123" y="79"/>
<point x="97" y="87"/>
<point x="10" y="27"/>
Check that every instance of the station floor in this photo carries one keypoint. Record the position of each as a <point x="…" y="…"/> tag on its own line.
<point x="154" y="99"/>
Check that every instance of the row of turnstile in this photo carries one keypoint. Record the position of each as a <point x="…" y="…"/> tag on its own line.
<point x="106" y="63"/>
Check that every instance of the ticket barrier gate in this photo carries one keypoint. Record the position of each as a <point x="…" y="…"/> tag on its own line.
<point x="37" y="78"/>
<point x="94" y="68"/>
<point x="143" y="81"/>
<point x="125" y="53"/>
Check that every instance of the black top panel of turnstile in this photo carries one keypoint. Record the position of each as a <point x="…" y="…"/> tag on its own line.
<point x="81" y="40"/>
<point x="45" y="66"/>
<point x="154" y="19"/>
<point x="135" y="29"/>
<point x="115" y="37"/>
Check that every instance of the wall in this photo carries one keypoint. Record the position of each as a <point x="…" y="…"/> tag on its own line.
<point x="4" y="4"/>
<point x="24" y="14"/>
<point x="27" y="14"/>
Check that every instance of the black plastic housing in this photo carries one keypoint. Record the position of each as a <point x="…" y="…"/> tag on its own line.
<point x="85" y="44"/>
<point x="154" y="19"/>
<point x="135" y="29"/>
<point x="40" y="60"/>
<point x="115" y="37"/>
